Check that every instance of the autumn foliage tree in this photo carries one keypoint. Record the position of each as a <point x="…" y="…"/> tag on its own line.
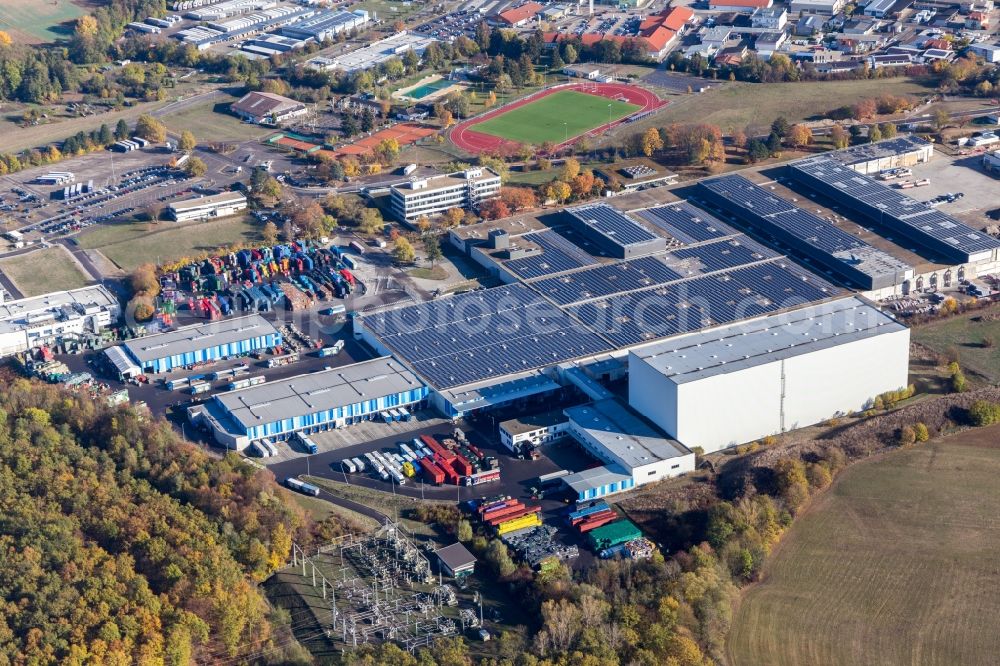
<point x="518" y="198"/>
<point x="494" y="209"/>
<point x="130" y="543"/>
<point x="799" y="136"/>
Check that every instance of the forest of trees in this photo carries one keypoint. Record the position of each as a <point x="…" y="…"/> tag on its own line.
<point x="123" y="544"/>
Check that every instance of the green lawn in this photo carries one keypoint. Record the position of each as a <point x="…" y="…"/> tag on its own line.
<point x="210" y="122"/>
<point x="737" y="105"/>
<point x="557" y="117"/>
<point x="32" y="22"/>
<point x="964" y="334"/>
<point x="894" y="565"/>
<point x="131" y="244"/>
<point x="44" y="271"/>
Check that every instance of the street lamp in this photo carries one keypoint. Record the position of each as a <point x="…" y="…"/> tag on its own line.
<point x="565" y="132"/>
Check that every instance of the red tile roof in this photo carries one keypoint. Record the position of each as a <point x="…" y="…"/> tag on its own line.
<point x="676" y="17"/>
<point x="659" y="38"/>
<point x="518" y="14"/>
<point x="714" y="4"/>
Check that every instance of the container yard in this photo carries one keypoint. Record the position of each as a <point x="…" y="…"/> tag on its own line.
<point x="292" y="276"/>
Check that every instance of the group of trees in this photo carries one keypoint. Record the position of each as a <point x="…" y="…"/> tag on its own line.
<point x="122" y="544"/>
<point x="78" y="144"/>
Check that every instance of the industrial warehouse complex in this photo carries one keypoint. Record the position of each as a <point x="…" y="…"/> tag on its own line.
<point x="643" y="325"/>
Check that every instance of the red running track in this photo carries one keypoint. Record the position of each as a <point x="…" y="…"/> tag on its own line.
<point x="465" y="137"/>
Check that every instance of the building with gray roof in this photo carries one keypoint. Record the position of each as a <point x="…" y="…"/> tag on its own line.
<point x="311" y="402"/>
<point x="201" y="343"/>
<point x="771" y="374"/>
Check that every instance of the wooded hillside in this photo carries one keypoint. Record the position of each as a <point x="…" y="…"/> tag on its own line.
<point x="122" y="544"/>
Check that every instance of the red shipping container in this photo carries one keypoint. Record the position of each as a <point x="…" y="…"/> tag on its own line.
<point x="597" y="514"/>
<point x="499" y="511"/>
<point x="588" y="525"/>
<point x="462" y="466"/>
<point x="433" y="472"/>
<point x="512" y="515"/>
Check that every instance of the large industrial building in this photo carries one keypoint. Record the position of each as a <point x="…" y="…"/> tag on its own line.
<point x="378" y="52"/>
<point x="200" y="343"/>
<point x="702" y="318"/>
<point x="310" y="403"/>
<point x="63" y="315"/>
<point x="852" y="260"/>
<point x="434" y="195"/>
<point x="325" y="25"/>
<point x="731" y="385"/>
<point x="954" y="250"/>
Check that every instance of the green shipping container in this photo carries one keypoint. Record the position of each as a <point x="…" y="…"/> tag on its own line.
<point x="613" y="534"/>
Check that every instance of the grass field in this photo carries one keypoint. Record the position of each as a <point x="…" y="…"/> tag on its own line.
<point x="555" y="117"/>
<point x="963" y="335"/>
<point x="210" y="122"/>
<point x="33" y="22"/>
<point x="133" y="244"/>
<point x="51" y="269"/>
<point x="737" y="105"/>
<point x="896" y="564"/>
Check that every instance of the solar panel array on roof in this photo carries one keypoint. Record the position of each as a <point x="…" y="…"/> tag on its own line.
<point x="690" y="305"/>
<point x="731" y="253"/>
<point x="936" y="231"/>
<point x="558" y="255"/>
<point x="849" y="257"/>
<point x="686" y="223"/>
<point x="627" y="275"/>
<point x="633" y="274"/>
<point x="481" y="335"/>
<point x="879" y="150"/>
<point x="615" y="231"/>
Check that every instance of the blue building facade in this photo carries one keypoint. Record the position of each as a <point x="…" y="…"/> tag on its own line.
<point x="206" y="354"/>
<point x="337" y="417"/>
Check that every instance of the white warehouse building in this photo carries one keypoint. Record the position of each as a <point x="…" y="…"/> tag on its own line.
<point x="202" y="208"/>
<point x="28" y="323"/>
<point x="726" y="386"/>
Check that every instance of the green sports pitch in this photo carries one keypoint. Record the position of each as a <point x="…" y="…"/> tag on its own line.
<point x="556" y="117"/>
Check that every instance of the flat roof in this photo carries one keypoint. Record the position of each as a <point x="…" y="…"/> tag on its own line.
<point x="866" y="152"/>
<point x="631" y="440"/>
<point x="210" y="200"/>
<point x="198" y="336"/>
<point x="376" y="52"/>
<point x="17" y="312"/>
<point x="766" y="340"/>
<point x="457" y="178"/>
<point x="523" y="424"/>
<point x="317" y="392"/>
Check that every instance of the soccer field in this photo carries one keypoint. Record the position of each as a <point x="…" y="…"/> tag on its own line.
<point x="556" y="117"/>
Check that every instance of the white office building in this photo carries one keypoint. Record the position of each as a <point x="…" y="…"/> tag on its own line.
<point x="28" y="323"/>
<point x="203" y="208"/>
<point x="731" y="385"/>
<point x="432" y="196"/>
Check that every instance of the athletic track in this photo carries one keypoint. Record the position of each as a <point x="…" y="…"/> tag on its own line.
<point x="466" y="138"/>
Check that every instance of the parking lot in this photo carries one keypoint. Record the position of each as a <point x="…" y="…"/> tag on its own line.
<point x="954" y="175"/>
